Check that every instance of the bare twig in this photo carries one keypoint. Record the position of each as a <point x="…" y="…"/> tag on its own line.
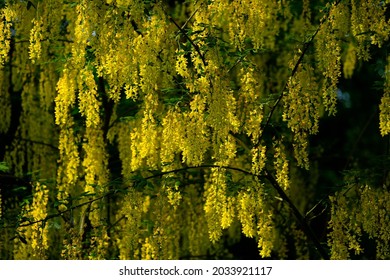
<point x="188" y="20"/>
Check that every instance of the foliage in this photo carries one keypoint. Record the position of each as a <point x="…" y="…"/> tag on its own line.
<point x="168" y="130"/>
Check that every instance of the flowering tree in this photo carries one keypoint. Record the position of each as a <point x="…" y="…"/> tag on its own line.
<point x="163" y="131"/>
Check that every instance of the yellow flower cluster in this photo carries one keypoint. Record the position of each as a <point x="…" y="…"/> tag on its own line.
<point x="95" y="159"/>
<point x="339" y="236"/>
<point x="368" y="23"/>
<point x="72" y="246"/>
<point x="89" y="104"/>
<point x="246" y="212"/>
<point x="384" y="117"/>
<point x="66" y="97"/>
<point x="219" y="211"/>
<point x="359" y="210"/>
<point x="99" y="244"/>
<point x="167" y="229"/>
<point x="222" y="113"/>
<point x="251" y="89"/>
<point x="196" y="141"/>
<point x="172" y="135"/>
<point x="281" y="167"/>
<point x="340" y="23"/>
<point x="132" y="212"/>
<point x="68" y="171"/>
<point x="181" y="66"/>
<point x="36" y="37"/>
<point x="5" y="34"/>
<point x="39" y="212"/>
<point x="300" y="146"/>
<point x="227" y="77"/>
<point x="374" y="218"/>
<point x="229" y="212"/>
<point x="384" y="107"/>
<point x="256" y="218"/>
<point x="302" y="111"/>
<point x="37" y="233"/>
<point x="302" y="250"/>
<point x="258" y="159"/>
<point x="148" y="250"/>
<point x="266" y="233"/>
<point x="173" y="194"/>
<point x="329" y="58"/>
<point x="82" y="33"/>
<point x="254" y="20"/>
<point x="95" y="163"/>
<point x="302" y="102"/>
<point x="145" y="142"/>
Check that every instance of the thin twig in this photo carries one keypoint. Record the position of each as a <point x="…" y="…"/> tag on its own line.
<point x="185" y="24"/>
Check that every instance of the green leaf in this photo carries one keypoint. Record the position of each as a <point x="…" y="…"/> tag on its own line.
<point x="4" y="166"/>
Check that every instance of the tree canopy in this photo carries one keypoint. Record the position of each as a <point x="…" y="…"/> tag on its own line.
<point x="149" y="129"/>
